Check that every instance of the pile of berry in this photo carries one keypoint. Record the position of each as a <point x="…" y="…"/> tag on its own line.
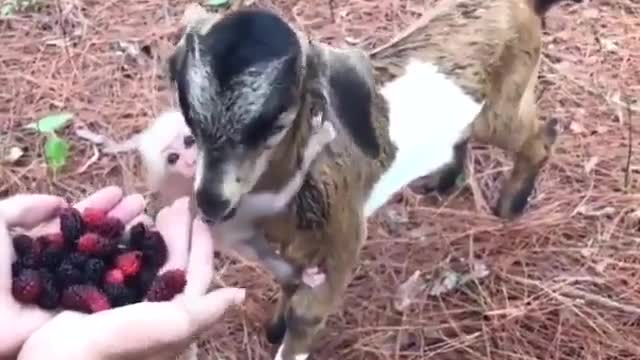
<point x="92" y="264"/>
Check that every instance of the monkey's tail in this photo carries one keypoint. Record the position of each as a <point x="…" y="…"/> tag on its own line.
<point x="542" y="6"/>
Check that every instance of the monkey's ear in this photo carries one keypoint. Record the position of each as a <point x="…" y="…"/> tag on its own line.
<point x="346" y="79"/>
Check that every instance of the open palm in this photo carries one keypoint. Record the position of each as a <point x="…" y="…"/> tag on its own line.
<point x="38" y="215"/>
<point x="145" y="330"/>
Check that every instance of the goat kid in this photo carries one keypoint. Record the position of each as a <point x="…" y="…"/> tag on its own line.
<point x="168" y="153"/>
<point x="491" y="51"/>
<point x="463" y="62"/>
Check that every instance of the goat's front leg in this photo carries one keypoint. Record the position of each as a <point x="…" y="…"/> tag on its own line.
<point x="534" y="153"/>
<point x="307" y="310"/>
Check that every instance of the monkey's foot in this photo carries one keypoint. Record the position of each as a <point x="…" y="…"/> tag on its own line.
<point x="313" y="277"/>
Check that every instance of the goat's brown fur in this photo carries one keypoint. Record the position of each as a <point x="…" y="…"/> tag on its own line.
<point x="491" y="49"/>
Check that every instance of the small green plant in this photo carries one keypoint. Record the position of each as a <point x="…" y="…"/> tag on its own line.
<point x="217" y="3"/>
<point x="56" y="149"/>
<point x="10" y="7"/>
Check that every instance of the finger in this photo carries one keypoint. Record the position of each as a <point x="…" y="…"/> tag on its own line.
<point x="27" y="211"/>
<point x="200" y="268"/>
<point x="129" y="208"/>
<point x="173" y="223"/>
<point x="142" y="218"/>
<point x="205" y="310"/>
<point x="105" y="198"/>
<point x="137" y="328"/>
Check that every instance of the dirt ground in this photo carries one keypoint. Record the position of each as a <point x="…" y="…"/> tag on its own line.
<point x="559" y="283"/>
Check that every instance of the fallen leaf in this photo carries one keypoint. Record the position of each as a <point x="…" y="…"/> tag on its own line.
<point x="591" y="164"/>
<point x="51" y="123"/>
<point x="15" y="153"/>
<point x="447" y="281"/>
<point x="576" y="127"/>
<point x="408" y="291"/>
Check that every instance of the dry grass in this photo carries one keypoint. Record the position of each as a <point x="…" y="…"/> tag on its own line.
<point x="563" y="279"/>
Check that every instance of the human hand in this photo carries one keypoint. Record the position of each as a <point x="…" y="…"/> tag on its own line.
<point x="37" y="214"/>
<point x="145" y="330"/>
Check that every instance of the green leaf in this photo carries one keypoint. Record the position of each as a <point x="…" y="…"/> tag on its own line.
<point x="217" y="2"/>
<point x="56" y="151"/>
<point x="51" y="123"/>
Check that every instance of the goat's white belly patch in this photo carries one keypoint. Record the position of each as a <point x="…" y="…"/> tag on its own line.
<point x="296" y="357"/>
<point x="428" y="115"/>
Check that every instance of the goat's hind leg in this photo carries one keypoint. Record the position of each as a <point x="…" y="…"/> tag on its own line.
<point x="528" y="162"/>
<point x="445" y="178"/>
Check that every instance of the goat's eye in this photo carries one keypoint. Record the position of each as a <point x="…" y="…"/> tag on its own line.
<point x="189" y="141"/>
<point x="276" y="129"/>
<point x="173" y="158"/>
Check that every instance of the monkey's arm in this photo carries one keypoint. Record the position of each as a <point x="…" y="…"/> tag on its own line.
<point x="110" y="146"/>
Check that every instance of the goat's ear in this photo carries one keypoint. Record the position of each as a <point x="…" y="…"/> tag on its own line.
<point x="346" y="77"/>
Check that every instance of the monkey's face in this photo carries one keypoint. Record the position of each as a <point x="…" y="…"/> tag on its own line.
<point x="180" y="155"/>
<point x="238" y="87"/>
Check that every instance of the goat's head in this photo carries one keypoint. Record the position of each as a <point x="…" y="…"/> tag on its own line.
<point x="240" y="86"/>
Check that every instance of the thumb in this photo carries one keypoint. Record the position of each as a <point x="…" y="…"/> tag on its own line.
<point x="204" y="311"/>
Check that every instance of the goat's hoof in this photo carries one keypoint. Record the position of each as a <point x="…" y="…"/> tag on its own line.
<point x="509" y="210"/>
<point x="275" y="330"/>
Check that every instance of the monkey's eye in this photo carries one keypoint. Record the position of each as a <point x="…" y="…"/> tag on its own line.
<point x="189" y="141"/>
<point x="173" y="158"/>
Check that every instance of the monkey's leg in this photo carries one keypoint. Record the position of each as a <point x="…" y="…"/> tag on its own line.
<point x="309" y="308"/>
<point x="445" y="178"/>
<point x="529" y="160"/>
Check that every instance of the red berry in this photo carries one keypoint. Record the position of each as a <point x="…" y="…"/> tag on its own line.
<point x="114" y="276"/>
<point x="94" y="244"/>
<point x="129" y="262"/>
<point x="72" y="225"/>
<point x="27" y="287"/>
<point x="167" y="285"/>
<point x="111" y="228"/>
<point x="85" y="298"/>
<point x="93" y="217"/>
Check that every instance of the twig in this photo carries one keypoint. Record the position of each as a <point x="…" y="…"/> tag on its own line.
<point x="627" y="175"/>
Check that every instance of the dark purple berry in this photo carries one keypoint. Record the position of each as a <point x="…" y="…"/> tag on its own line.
<point x="94" y="270"/>
<point x="22" y="244"/>
<point x="52" y="257"/>
<point x="154" y="249"/>
<point x="29" y="261"/>
<point x="78" y="260"/>
<point x="67" y="274"/>
<point x="16" y="268"/>
<point x="143" y="281"/>
<point x="50" y="296"/>
<point x="120" y="295"/>
<point x="72" y="225"/>
<point x="137" y="234"/>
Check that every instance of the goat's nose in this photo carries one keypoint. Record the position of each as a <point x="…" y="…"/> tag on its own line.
<point x="212" y="206"/>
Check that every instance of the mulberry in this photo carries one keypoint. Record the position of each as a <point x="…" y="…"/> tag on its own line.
<point x="72" y="225"/>
<point x="94" y="270"/>
<point x="27" y="286"/>
<point x="85" y="298"/>
<point x="167" y="285"/>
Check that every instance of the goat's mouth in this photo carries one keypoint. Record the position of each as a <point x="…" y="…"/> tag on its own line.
<point x="230" y="214"/>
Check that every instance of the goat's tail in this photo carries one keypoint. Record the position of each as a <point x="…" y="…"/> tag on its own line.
<point x="542" y="6"/>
